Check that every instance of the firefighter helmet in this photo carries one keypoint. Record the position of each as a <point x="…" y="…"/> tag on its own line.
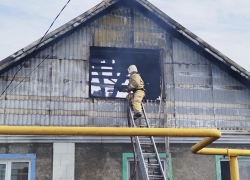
<point x="132" y="68"/>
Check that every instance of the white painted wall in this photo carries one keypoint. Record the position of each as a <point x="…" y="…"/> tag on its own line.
<point x="63" y="161"/>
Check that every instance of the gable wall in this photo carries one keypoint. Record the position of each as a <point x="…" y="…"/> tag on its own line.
<point x="204" y="95"/>
<point x="199" y="94"/>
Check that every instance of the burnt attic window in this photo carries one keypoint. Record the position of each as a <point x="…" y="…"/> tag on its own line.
<point x="108" y="71"/>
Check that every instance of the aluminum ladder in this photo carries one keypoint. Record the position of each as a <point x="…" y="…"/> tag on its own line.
<point x="146" y="151"/>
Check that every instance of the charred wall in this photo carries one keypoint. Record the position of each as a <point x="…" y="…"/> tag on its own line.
<point x="52" y="88"/>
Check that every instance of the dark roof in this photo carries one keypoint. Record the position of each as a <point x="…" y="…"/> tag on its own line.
<point x="71" y="25"/>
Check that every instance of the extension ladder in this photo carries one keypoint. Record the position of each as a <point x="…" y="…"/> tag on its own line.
<point x="146" y="151"/>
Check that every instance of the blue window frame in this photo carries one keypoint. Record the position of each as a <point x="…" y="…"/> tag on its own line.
<point x="9" y="164"/>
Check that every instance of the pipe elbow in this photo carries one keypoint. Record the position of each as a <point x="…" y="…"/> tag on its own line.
<point x="215" y="133"/>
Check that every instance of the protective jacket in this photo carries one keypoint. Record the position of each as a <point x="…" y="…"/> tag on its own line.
<point x="135" y="82"/>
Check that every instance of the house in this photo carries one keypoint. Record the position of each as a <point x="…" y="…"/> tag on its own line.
<point x="70" y="79"/>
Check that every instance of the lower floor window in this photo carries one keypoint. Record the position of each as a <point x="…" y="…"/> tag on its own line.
<point x="223" y="168"/>
<point x="128" y="166"/>
<point x="17" y="167"/>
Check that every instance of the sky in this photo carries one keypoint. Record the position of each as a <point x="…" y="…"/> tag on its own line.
<point x="224" y="24"/>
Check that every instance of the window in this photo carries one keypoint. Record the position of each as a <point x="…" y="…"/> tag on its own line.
<point x="223" y="169"/>
<point x="17" y="167"/>
<point x="108" y="71"/>
<point x="128" y="165"/>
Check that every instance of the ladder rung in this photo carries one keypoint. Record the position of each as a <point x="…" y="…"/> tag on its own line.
<point x="147" y="151"/>
<point x="152" y="159"/>
<point x="153" y="165"/>
<point x="154" y="173"/>
<point x="147" y="144"/>
<point x="144" y="136"/>
<point x="155" y="176"/>
<point x="148" y="147"/>
<point x="149" y="154"/>
<point x="145" y="126"/>
<point x="155" y="162"/>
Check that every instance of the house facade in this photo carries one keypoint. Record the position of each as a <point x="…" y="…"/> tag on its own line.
<point x="71" y="79"/>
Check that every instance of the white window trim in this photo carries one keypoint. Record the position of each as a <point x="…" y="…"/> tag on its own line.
<point x="8" y="163"/>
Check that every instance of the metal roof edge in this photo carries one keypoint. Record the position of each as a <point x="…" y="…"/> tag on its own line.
<point x="228" y="137"/>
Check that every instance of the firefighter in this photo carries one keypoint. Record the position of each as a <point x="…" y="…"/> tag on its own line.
<point x="136" y="85"/>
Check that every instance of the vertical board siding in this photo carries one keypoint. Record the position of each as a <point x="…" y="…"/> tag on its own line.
<point x="114" y="29"/>
<point x="198" y="93"/>
<point x="197" y="83"/>
<point x="147" y="34"/>
<point x="183" y="54"/>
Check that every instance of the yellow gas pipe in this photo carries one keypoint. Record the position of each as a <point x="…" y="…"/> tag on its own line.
<point x="109" y="131"/>
<point x="234" y="170"/>
<point x="210" y="136"/>
<point x="232" y="155"/>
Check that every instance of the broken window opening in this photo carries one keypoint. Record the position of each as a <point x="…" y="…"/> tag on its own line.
<point x="108" y="71"/>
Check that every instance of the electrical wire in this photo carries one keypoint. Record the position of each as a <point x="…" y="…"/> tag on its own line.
<point x="5" y="90"/>
<point x="36" y="68"/>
